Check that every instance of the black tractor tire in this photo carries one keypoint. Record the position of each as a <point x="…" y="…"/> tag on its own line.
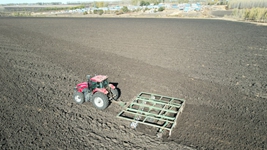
<point x="100" y="100"/>
<point x="115" y="93"/>
<point x="78" y="97"/>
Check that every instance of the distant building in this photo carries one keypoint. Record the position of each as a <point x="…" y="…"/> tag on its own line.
<point x="2" y="9"/>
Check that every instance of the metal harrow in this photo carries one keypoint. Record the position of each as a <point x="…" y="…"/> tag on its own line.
<point x="153" y="110"/>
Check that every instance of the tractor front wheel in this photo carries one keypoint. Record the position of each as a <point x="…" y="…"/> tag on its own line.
<point x="78" y="97"/>
<point x="100" y="101"/>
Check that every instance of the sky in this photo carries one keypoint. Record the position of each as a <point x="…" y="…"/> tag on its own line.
<point x="45" y="1"/>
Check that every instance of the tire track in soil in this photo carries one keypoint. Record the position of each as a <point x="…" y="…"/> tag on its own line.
<point x="221" y="116"/>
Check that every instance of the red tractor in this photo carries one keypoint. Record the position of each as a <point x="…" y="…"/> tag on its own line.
<point x="97" y="90"/>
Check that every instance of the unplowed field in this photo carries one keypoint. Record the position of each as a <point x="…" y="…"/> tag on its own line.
<point x="218" y="67"/>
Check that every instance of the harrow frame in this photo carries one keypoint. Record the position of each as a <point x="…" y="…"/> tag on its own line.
<point x="153" y="110"/>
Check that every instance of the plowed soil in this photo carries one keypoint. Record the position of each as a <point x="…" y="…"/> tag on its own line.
<point x="218" y="67"/>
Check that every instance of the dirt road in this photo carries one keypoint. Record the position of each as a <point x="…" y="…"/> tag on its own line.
<point x="218" y="67"/>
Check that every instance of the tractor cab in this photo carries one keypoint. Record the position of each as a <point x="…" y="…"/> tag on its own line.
<point x="99" y="81"/>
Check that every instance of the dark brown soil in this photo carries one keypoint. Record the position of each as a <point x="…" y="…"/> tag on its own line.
<point x="218" y="67"/>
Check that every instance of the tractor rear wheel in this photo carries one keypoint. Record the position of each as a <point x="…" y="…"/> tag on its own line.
<point x="115" y="93"/>
<point x="78" y="97"/>
<point x="100" y="101"/>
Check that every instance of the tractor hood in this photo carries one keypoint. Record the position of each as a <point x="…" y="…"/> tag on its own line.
<point x="82" y="86"/>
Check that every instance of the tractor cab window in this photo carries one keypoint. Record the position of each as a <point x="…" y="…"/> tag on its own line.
<point x="93" y="85"/>
<point x="105" y="83"/>
<point x="102" y="84"/>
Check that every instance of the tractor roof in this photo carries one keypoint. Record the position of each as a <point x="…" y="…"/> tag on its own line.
<point x="98" y="78"/>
